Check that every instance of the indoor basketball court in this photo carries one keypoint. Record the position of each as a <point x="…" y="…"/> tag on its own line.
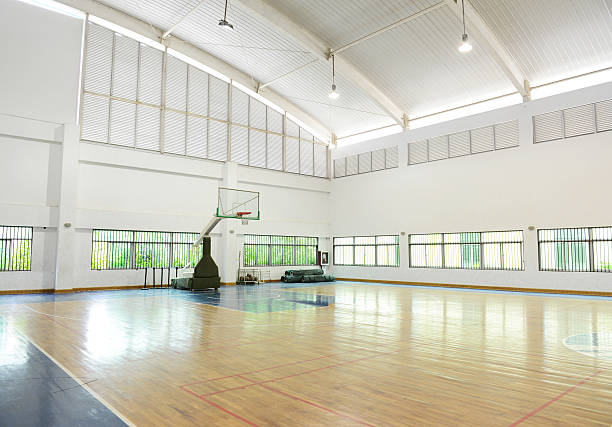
<point x="301" y="213"/>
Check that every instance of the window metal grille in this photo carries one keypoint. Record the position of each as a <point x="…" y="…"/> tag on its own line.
<point x="267" y="250"/>
<point x="370" y="251"/>
<point x="15" y="248"/>
<point x="491" y="250"/>
<point x="192" y="114"/>
<point x="129" y="249"/>
<point x="576" y="249"/>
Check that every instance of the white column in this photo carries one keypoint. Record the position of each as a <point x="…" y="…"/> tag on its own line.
<point x="228" y="262"/>
<point x="66" y="236"/>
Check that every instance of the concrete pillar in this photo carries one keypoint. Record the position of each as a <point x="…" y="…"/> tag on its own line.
<point x="228" y="262"/>
<point x="66" y="235"/>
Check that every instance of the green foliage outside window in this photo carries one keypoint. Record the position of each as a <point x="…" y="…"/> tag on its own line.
<point x="260" y="250"/>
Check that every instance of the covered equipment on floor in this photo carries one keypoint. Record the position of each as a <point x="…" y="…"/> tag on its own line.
<point x="307" y="276"/>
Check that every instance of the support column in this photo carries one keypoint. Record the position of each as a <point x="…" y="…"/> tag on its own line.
<point x="228" y="259"/>
<point x="66" y="236"/>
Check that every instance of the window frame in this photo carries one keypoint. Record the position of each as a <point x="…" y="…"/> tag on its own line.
<point x="589" y="249"/>
<point x="6" y="235"/>
<point x="480" y="243"/>
<point x="375" y="245"/>
<point x="132" y="244"/>
<point x="270" y="244"/>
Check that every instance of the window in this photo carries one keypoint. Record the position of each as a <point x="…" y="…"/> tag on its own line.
<point x="124" y="249"/>
<point x="371" y="251"/>
<point x="192" y="114"/>
<point x="372" y="161"/>
<point x="279" y="250"/>
<point x="489" y="138"/>
<point x="576" y="249"/>
<point x="15" y="248"/>
<point x="492" y="250"/>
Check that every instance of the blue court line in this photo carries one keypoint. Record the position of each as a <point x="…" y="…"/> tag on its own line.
<point x="35" y="391"/>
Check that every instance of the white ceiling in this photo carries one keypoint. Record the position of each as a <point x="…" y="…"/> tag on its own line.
<point x="415" y="65"/>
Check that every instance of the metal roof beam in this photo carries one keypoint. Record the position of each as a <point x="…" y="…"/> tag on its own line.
<point x="169" y="31"/>
<point x="480" y="31"/>
<point x="390" y="27"/>
<point x="284" y="25"/>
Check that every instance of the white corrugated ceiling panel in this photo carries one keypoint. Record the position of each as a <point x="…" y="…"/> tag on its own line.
<point x="419" y="64"/>
<point x="552" y="39"/>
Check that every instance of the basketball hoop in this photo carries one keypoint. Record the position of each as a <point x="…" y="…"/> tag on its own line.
<point x="245" y="221"/>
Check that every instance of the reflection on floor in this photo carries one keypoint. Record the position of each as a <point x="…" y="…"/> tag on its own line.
<point x="34" y="391"/>
<point x="320" y="354"/>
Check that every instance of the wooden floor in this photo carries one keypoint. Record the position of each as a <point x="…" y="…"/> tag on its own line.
<point x="338" y="354"/>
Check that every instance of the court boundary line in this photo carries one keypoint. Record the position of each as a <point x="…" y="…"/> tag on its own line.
<point x="94" y="394"/>
<point x="556" y="398"/>
<point x="204" y="397"/>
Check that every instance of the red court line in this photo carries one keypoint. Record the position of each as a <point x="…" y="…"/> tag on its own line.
<point x="227" y="411"/>
<point x="242" y="387"/>
<point x="316" y="405"/>
<point x="277" y="366"/>
<point x="556" y="398"/>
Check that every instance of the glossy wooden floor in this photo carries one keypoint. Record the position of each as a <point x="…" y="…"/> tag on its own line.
<point x="369" y="355"/>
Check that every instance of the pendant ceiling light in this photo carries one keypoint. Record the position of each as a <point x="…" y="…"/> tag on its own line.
<point x="223" y="22"/>
<point x="465" y="45"/>
<point x="333" y="94"/>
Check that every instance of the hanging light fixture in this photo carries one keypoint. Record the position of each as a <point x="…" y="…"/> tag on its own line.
<point x="334" y="94"/>
<point x="465" y="46"/>
<point x="223" y="22"/>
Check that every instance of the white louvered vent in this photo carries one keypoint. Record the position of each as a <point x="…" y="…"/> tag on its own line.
<point x="176" y="84"/>
<point x="304" y="134"/>
<point x="392" y="157"/>
<point x="217" y="140"/>
<point x="417" y="152"/>
<point x="94" y="118"/>
<point x="482" y="140"/>
<point x="306" y="158"/>
<point x="174" y="132"/>
<point x="292" y="129"/>
<point x="378" y="160"/>
<point x="320" y="160"/>
<point x="197" y="96"/>
<point x="352" y="165"/>
<point x="125" y="68"/>
<point x="218" y="98"/>
<point x="340" y="167"/>
<point x="240" y="107"/>
<point x="275" y="120"/>
<point x="548" y="126"/>
<point x="150" y="75"/>
<point x="604" y="115"/>
<point x="257" y="148"/>
<point x="459" y="144"/>
<point x="240" y="145"/>
<point x="506" y="135"/>
<point x="365" y="162"/>
<point x="257" y="114"/>
<point x="148" y="124"/>
<point x="122" y="123"/>
<point x="275" y="152"/>
<point x="293" y="155"/>
<point x="438" y="148"/>
<point x="579" y="120"/>
<point x="196" y="137"/>
<point x="98" y="61"/>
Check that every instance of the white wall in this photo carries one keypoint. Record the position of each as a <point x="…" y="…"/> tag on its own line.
<point x="553" y="184"/>
<point x="39" y="72"/>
